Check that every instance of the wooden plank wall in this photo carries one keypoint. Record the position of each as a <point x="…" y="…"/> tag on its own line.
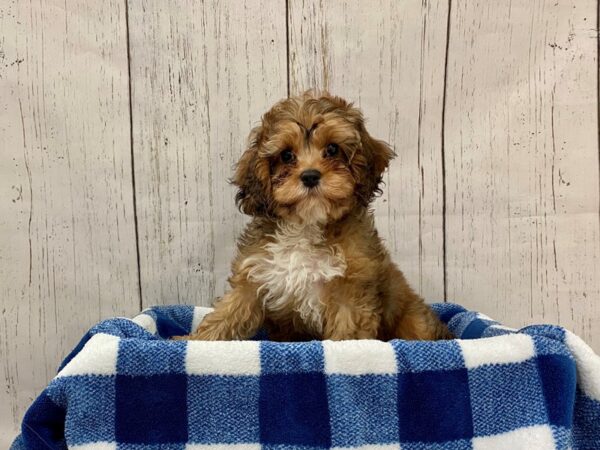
<point x="67" y="231"/>
<point x="202" y="73"/>
<point x="521" y="152"/>
<point x="120" y="121"/>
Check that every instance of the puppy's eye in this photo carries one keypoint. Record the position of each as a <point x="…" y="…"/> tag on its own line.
<point x="287" y="156"/>
<point x="331" y="150"/>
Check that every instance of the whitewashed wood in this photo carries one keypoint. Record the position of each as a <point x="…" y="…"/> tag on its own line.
<point x="389" y="58"/>
<point x="67" y="236"/>
<point x="521" y="153"/>
<point x="202" y="75"/>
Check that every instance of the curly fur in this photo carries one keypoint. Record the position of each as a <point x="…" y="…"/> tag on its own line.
<point x="297" y="264"/>
<point x="310" y="263"/>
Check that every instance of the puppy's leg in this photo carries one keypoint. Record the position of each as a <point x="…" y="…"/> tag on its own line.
<point x="351" y="311"/>
<point x="237" y="315"/>
<point x="419" y="322"/>
<point x="407" y="316"/>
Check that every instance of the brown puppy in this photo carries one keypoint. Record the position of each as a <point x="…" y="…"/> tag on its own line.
<point x="310" y="264"/>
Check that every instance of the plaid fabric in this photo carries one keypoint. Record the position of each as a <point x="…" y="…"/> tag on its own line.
<point x="125" y="387"/>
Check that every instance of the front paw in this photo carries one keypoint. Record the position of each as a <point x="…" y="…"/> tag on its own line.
<point x="180" y="338"/>
<point x="198" y="337"/>
<point x="208" y="332"/>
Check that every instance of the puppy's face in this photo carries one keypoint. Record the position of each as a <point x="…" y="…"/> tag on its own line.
<point x="311" y="160"/>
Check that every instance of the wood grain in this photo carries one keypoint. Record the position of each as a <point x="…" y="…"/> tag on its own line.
<point x="202" y="74"/>
<point x="521" y="151"/>
<point x="515" y="150"/>
<point x="390" y="60"/>
<point x="67" y="236"/>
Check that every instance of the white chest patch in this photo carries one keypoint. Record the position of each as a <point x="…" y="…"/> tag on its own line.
<point x="297" y="264"/>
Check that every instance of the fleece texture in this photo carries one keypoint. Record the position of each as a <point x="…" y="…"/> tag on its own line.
<point x="126" y="386"/>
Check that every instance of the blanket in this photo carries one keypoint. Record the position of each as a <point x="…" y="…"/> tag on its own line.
<point x="126" y="386"/>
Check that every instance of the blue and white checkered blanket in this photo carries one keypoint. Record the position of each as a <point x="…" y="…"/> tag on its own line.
<point x="126" y="387"/>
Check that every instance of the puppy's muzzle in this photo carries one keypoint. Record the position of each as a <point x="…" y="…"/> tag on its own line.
<point x="310" y="178"/>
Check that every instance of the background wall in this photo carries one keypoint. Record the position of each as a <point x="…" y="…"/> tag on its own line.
<point x="120" y="122"/>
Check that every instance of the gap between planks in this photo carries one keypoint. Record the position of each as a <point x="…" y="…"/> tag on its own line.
<point x="134" y="199"/>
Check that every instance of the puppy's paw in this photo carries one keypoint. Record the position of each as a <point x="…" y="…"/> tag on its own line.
<point x="195" y="337"/>
<point x="181" y="338"/>
<point x="204" y="334"/>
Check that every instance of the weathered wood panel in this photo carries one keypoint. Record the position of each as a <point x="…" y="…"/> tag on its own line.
<point x="202" y="75"/>
<point x="389" y="58"/>
<point x="521" y="153"/>
<point x="67" y="236"/>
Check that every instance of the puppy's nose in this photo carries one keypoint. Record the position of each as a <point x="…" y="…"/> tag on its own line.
<point x="310" y="177"/>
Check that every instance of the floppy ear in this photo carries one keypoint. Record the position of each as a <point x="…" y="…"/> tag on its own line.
<point x="381" y="154"/>
<point x="252" y="177"/>
<point x="372" y="160"/>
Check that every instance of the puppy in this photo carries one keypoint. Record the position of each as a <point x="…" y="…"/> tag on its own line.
<point x="310" y="264"/>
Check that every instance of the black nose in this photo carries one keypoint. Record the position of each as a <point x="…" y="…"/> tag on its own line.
<point x="310" y="177"/>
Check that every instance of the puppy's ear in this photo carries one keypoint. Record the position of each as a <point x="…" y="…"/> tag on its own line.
<point x="370" y="163"/>
<point x="380" y="154"/>
<point x="252" y="177"/>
